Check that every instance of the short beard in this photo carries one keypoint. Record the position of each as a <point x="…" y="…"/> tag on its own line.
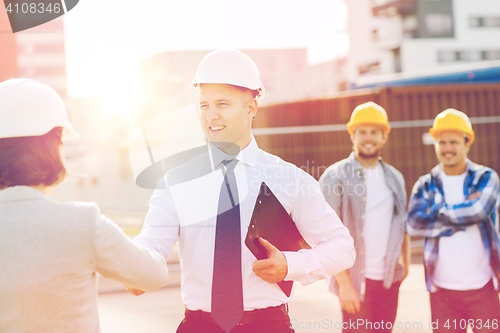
<point x="374" y="155"/>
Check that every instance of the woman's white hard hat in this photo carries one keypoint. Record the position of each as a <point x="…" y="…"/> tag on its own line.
<point x="31" y="108"/>
<point x="229" y="66"/>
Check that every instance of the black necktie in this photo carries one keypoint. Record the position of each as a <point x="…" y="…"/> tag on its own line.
<point x="227" y="288"/>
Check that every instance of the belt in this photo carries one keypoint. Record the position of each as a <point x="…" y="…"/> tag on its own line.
<point x="249" y="317"/>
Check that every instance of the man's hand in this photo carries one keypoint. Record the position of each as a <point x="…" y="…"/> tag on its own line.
<point x="349" y="299"/>
<point x="406" y="254"/>
<point x="474" y="195"/>
<point x="274" y="268"/>
<point x="135" y="292"/>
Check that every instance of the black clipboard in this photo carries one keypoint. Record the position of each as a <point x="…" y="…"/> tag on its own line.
<point x="272" y="222"/>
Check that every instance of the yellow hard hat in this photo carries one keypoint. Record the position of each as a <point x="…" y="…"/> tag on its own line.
<point x="368" y="114"/>
<point x="452" y="120"/>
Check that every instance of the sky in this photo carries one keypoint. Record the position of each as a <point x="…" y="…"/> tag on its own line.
<point x="106" y="40"/>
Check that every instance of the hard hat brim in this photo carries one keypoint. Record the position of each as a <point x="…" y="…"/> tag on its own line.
<point x="386" y="128"/>
<point x="259" y="88"/>
<point x="22" y="131"/>
<point x="69" y="133"/>
<point x="435" y="132"/>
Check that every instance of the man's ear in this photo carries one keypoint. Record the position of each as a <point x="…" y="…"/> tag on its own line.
<point x="467" y="146"/>
<point x="385" y="136"/>
<point x="252" y="108"/>
<point x="352" y="136"/>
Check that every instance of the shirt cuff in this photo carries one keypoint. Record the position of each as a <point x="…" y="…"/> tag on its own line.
<point x="296" y="262"/>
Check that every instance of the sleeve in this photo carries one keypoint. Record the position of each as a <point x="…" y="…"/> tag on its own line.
<point x="332" y="189"/>
<point x="333" y="249"/>
<point x="119" y="258"/>
<point x="423" y="213"/>
<point x="477" y="210"/>
<point x="161" y="225"/>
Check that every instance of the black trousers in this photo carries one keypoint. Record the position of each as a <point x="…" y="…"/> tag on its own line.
<point x="378" y="310"/>
<point x="275" y="326"/>
<point x="453" y="310"/>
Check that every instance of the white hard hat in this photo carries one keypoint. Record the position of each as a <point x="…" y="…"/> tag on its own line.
<point x="229" y="66"/>
<point x="31" y="108"/>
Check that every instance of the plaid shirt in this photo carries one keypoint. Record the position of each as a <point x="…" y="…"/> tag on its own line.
<point x="344" y="187"/>
<point x="429" y="215"/>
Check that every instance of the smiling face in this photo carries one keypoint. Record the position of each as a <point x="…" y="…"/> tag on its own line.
<point x="226" y="113"/>
<point x="451" y="151"/>
<point x="368" y="141"/>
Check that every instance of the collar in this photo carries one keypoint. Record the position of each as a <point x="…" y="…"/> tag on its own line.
<point x="248" y="155"/>
<point x="352" y="159"/>
<point x="471" y="168"/>
<point x="18" y="193"/>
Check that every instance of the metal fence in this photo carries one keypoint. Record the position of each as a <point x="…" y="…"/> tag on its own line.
<point x="312" y="134"/>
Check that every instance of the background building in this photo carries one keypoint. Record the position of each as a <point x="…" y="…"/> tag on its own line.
<point x="37" y="53"/>
<point x="390" y="36"/>
<point x="41" y="54"/>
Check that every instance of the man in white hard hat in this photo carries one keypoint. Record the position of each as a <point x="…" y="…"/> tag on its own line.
<point x="369" y="195"/>
<point x="224" y="287"/>
<point x="455" y="207"/>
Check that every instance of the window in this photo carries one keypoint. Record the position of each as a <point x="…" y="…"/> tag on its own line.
<point x="25" y="48"/>
<point x="475" y="21"/>
<point x="410" y="24"/>
<point x="491" y="55"/>
<point x="373" y="67"/>
<point x="439" y="24"/>
<point x="468" y="55"/>
<point x="447" y="56"/>
<point x="50" y="70"/>
<point x="49" y="48"/>
<point x="491" y="22"/>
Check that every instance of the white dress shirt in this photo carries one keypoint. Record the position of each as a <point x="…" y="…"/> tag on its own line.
<point x="187" y="212"/>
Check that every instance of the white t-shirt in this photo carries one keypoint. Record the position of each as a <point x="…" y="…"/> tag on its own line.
<point x="463" y="262"/>
<point x="377" y="222"/>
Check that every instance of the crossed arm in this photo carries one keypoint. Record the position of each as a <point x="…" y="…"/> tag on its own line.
<point x="428" y="219"/>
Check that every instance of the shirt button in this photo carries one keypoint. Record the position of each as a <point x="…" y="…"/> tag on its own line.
<point x="362" y="271"/>
<point x="364" y="199"/>
<point x="362" y="234"/>
<point x="362" y="217"/>
<point x="362" y="252"/>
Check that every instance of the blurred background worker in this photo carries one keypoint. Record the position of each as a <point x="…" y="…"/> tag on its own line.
<point x="50" y="251"/>
<point x="224" y="287"/>
<point x="369" y="196"/>
<point x="455" y="207"/>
